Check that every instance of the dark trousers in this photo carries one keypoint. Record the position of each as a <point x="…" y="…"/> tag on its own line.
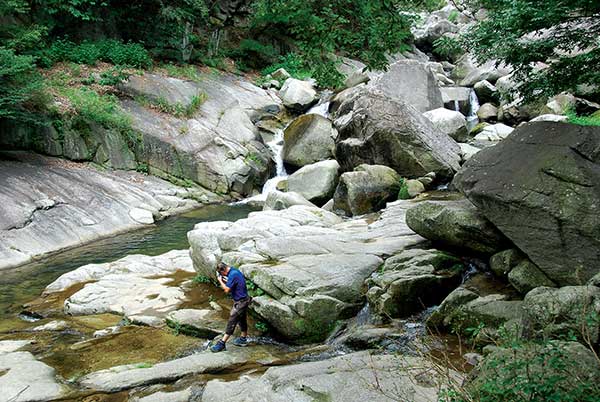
<point x="238" y="315"/>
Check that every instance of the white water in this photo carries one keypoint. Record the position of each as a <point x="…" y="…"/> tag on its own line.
<point x="322" y="109"/>
<point x="472" y="118"/>
<point x="276" y="146"/>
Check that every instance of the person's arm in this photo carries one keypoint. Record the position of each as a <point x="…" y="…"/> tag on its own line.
<point x="222" y="284"/>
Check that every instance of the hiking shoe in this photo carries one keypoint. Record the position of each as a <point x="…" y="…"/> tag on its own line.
<point x="218" y="347"/>
<point x="241" y="341"/>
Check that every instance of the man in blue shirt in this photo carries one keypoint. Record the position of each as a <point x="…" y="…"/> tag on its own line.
<point x="236" y="286"/>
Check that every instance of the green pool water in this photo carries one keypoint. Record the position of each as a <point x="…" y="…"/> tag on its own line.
<point x="21" y="285"/>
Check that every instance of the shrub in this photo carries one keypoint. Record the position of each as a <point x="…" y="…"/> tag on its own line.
<point x="198" y="279"/>
<point x="591" y="120"/>
<point x="403" y="193"/>
<point x="87" y="52"/>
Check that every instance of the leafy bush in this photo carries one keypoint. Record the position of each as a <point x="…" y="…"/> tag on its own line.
<point x="175" y="109"/>
<point x="403" y="193"/>
<point x="102" y="109"/>
<point x="448" y="47"/>
<point x="591" y="120"/>
<point x="20" y="86"/>
<point x="86" y="52"/>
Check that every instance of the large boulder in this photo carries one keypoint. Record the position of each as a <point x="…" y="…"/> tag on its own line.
<point x="449" y="122"/>
<point x="377" y="130"/>
<point x="278" y="200"/>
<point x="308" y="139"/>
<point x="365" y="190"/>
<point x="526" y="276"/>
<point x="463" y="310"/>
<point x="552" y="312"/>
<point x="486" y="92"/>
<point x="412" y="82"/>
<point x="297" y="95"/>
<point x="551" y="209"/>
<point x="494" y="132"/>
<point x="455" y="224"/>
<point x="310" y="263"/>
<point x="316" y="182"/>
<point x="412" y="280"/>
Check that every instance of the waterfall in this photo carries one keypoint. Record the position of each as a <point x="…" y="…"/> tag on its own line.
<point x="472" y="119"/>
<point x="276" y="147"/>
<point x="322" y="109"/>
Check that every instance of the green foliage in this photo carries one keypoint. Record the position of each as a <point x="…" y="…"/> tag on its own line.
<point x="253" y="289"/>
<point x="403" y="193"/>
<point x="87" y="52"/>
<point x="448" y="47"/>
<point x="143" y="365"/>
<point x="102" y="109"/>
<point x="113" y="76"/>
<point x="253" y="54"/>
<point x="529" y="371"/>
<point x="453" y="16"/>
<point x="318" y="30"/>
<point x="591" y="120"/>
<point x="20" y="87"/>
<point x="261" y="326"/>
<point x="562" y="34"/>
<point x="142" y="167"/>
<point x="175" y="109"/>
<point x="198" y="279"/>
<point x="186" y="71"/>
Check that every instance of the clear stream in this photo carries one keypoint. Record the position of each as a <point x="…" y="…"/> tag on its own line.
<point x="21" y="285"/>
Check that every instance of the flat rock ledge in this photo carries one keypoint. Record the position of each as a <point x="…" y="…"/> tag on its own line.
<point x="135" y="286"/>
<point x="134" y="375"/>
<point x="310" y="263"/>
<point x="356" y="377"/>
<point x="23" y="378"/>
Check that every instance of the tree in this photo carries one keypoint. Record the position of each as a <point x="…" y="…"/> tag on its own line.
<point x="367" y="30"/>
<point x="20" y="86"/>
<point x="553" y="45"/>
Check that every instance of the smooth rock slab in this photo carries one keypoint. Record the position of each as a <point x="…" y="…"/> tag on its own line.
<point x="49" y="204"/>
<point x="130" y="376"/>
<point x="27" y="379"/>
<point x="133" y="285"/>
<point x="357" y="377"/>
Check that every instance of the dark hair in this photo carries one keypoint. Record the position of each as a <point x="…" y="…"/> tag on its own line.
<point x="221" y="266"/>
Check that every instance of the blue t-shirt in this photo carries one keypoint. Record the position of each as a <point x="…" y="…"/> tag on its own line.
<point x="237" y="283"/>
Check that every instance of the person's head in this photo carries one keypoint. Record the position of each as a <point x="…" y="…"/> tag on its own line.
<point x="222" y="268"/>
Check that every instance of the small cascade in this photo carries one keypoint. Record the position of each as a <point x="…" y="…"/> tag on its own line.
<point x="322" y="109"/>
<point x="456" y="105"/>
<point x="276" y="146"/>
<point x="472" y="119"/>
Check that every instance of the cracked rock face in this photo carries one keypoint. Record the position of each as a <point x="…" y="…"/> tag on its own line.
<point x="309" y="262"/>
<point x="541" y="188"/>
